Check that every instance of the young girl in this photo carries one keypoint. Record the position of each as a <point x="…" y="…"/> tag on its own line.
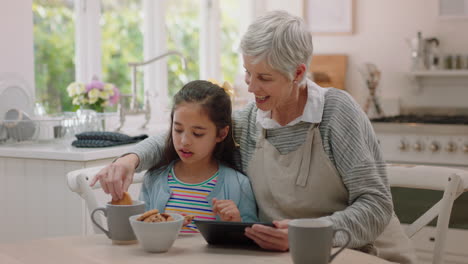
<point x="196" y="175"/>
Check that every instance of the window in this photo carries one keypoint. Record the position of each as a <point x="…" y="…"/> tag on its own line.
<point x="183" y="34"/>
<point x="121" y="41"/>
<point x="78" y="39"/>
<point x="230" y="40"/>
<point x="54" y="51"/>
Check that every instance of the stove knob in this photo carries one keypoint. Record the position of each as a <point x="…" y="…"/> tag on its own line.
<point x="417" y="146"/>
<point x="465" y="148"/>
<point x="451" y="147"/>
<point x="434" y="147"/>
<point x="403" y="146"/>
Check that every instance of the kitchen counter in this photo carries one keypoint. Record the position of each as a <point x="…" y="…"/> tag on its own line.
<point x="36" y="201"/>
<point x="60" y="151"/>
<point x="63" y="150"/>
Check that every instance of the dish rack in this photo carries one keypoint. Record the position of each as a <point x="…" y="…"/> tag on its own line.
<point x="52" y="128"/>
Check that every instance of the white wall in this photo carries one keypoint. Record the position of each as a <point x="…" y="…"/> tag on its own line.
<point x="381" y="27"/>
<point x="16" y="39"/>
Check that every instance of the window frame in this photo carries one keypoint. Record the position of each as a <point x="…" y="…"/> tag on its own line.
<point x="88" y="45"/>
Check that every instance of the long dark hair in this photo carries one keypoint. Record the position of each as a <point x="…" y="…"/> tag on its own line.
<point x="217" y="104"/>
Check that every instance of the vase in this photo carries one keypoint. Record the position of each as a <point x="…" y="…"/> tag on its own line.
<point x="88" y="120"/>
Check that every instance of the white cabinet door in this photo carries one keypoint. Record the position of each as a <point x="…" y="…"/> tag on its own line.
<point x="35" y="200"/>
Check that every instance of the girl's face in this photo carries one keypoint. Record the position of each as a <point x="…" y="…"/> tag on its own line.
<point x="194" y="134"/>
<point x="271" y="88"/>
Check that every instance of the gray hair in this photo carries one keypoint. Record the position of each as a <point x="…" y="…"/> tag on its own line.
<point x="282" y="39"/>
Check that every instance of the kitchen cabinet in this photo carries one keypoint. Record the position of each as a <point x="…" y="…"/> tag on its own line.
<point x="35" y="200"/>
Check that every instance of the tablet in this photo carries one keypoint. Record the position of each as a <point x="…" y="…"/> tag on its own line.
<point x="226" y="233"/>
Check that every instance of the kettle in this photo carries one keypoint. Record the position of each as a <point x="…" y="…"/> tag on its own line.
<point x="416" y="46"/>
<point x="424" y="52"/>
<point x="432" y="56"/>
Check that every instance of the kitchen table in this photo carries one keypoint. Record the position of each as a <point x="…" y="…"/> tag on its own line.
<point x="187" y="249"/>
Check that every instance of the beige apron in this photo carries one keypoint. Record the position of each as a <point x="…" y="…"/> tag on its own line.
<point x="305" y="184"/>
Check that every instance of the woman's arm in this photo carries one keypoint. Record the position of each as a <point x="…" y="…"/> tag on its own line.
<point x="116" y="177"/>
<point x="150" y="151"/>
<point x="350" y="142"/>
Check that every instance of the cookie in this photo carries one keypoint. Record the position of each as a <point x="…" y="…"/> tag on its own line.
<point x="147" y="214"/>
<point x="153" y="216"/>
<point x="126" y="200"/>
<point x="189" y="218"/>
<point x="167" y="217"/>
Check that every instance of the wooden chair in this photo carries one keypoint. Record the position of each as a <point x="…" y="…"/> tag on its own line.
<point x="78" y="182"/>
<point x="453" y="182"/>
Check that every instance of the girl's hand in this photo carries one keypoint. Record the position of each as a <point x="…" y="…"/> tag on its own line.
<point x="187" y="218"/>
<point x="270" y="238"/>
<point x="116" y="177"/>
<point x="227" y="210"/>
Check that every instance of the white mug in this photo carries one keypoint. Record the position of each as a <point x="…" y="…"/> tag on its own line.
<point x="311" y="240"/>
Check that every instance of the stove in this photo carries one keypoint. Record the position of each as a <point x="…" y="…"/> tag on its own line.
<point x="425" y="119"/>
<point x="424" y="139"/>
<point x="440" y="140"/>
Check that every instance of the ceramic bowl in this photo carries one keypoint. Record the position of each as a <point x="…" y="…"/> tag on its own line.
<point x="159" y="236"/>
<point x="19" y="125"/>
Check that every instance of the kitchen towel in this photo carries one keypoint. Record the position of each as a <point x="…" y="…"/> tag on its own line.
<point x="104" y="139"/>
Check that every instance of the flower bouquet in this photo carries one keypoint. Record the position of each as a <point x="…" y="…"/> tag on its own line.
<point x="95" y="95"/>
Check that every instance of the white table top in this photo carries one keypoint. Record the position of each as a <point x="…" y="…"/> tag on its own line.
<point x="190" y="249"/>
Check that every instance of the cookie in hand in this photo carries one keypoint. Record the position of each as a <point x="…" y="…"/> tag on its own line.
<point x="126" y="200"/>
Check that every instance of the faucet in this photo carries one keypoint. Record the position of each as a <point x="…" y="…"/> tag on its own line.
<point x="146" y="103"/>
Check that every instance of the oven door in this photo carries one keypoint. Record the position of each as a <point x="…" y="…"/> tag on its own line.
<point x="412" y="203"/>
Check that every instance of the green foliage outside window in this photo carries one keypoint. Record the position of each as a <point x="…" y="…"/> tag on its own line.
<point x="54" y="48"/>
<point x="183" y="33"/>
<point x="122" y="42"/>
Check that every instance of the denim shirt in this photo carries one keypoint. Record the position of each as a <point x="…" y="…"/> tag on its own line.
<point x="231" y="185"/>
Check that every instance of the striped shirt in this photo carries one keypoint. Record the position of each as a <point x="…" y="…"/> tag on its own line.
<point x="351" y="145"/>
<point x="190" y="199"/>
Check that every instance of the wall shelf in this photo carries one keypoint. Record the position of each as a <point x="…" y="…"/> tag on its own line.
<point x="419" y="76"/>
<point x="440" y="73"/>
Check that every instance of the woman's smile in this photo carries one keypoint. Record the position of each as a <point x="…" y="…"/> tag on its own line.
<point x="261" y="99"/>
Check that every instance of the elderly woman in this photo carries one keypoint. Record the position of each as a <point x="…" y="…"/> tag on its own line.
<point x="310" y="152"/>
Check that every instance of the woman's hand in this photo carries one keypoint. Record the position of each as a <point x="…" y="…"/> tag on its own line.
<point x="227" y="210"/>
<point x="116" y="177"/>
<point x="270" y="238"/>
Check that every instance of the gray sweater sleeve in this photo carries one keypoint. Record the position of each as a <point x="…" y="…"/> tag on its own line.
<point x="351" y="144"/>
<point x="149" y="151"/>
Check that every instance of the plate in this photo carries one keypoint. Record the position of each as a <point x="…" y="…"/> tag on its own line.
<point x="14" y="95"/>
<point x="226" y="233"/>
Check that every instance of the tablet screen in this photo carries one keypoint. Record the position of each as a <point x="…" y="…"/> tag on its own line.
<point x="226" y="233"/>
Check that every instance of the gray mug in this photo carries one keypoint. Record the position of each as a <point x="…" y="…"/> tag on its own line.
<point x="310" y="241"/>
<point x="120" y="230"/>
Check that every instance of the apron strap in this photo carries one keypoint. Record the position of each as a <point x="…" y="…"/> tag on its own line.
<point x="304" y="170"/>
